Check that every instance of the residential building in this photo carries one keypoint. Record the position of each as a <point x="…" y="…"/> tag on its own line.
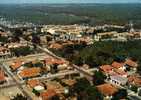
<point x="16" y="65"/>
<point x="4" y="52"/>
<point x="107" y="90"/>
<point x="47" y="95"/>
<point x="129" y="63"/>
<point x="117" y="65"/>
<point x="118" y="80"/>
<point x="2" y="77"/>
<point x="33" y="82"/>
<point x="134" y="80"/>
<point x="106" y="69"/>
<point x="29" y="72"/>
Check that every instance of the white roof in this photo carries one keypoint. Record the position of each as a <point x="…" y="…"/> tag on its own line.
<point x="39" y="88"/>
<point x="119" y="78"/>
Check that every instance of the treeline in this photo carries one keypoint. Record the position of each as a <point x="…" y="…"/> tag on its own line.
<point x="104" y="52"/>
<point x="92" y="14"/>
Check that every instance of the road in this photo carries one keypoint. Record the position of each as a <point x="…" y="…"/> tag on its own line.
<point x="81" y="70"/>
<point x="133" y="97"/>
<point x="5" y="68"/>
<point x="62" y="74"/>
<point x="39" y="55"/>
<point x="47" y="77"/>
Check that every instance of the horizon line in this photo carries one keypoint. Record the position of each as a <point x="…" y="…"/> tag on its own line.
<point x="80" y="3"/>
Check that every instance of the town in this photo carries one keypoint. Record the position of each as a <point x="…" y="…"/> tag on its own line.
<point x="31" y="67"/>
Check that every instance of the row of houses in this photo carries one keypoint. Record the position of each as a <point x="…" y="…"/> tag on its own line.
<point x="119" y="74"/>
<point x="5" y="48"/>
<point x="40" y="89"/>
<point x="48" y="65"/>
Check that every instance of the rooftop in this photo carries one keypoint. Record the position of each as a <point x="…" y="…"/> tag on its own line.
<point x="16" y="64"/>
<point x="117" y="65"/>
<point x="107" y="89"/>
<point x="32" y="83"/>
<point x="2" y="76"/>
<point x="47" y="95"/>
<point x="51" y="61"/>
<point x="30" y="72"/>
<point x="131" y="63"/>
<point x="106" y="68"/>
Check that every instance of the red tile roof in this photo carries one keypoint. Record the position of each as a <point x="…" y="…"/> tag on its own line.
<point x="33" y="83"/>
<point x="2" y="76"/>
<point x="30" y="72"/>
<point x="131" y="63"/>
<point x="47" y="95"/>
<point x="107" y="89"/>
<point x="51" y="61"/>
<point x="56" y="46"/>
<point x="106" y="68"/>
<point x="120" y="72"/>
<point x="16" y="64"/>
<point x="136" y="80"/>
<point x="117" y="65"/>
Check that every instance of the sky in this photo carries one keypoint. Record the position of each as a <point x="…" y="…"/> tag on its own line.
<point x="70" y="1"/>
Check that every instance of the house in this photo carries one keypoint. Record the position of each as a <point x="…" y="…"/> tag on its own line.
<point x="2" y="77"/>
<point x="107" y="90"/>
<point x="69" y="82"/>
<point x="118" y="80"/>
<point x="33" y="82"/>
<point x="4" y="51"/>
<point x="121" y="72"/>
<point x="117" y="65"/>
<point x="129" y="63"/>
<point x="52" y="63"/>
<point x="17" y="64"/>
<point x="39" y="88"/>
<point x="134" y="80"/>
<point x="29" y="73"/>
<point x="106" y="69"/>
<point x="47" y="95"/>
<point x="56" y="46"/>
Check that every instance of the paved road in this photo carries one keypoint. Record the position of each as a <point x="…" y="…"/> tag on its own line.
<point x="48" y="77"/>
<point x="133" y="97"/>
<point x="5" y="68"/>
<point x="82" y="71"/>
<point x="39" y="55"/>
<point x="63" y="74"/>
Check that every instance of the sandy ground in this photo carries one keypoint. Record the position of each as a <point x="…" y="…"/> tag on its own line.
<point x="6" y="93"/>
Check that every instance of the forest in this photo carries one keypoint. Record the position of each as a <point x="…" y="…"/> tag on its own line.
<point x="91" y="14"/>
<point x="104" y="52"/>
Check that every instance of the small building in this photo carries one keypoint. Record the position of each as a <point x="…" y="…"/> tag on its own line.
<point x="47" y="95"/>
<point x="4" y="51"/>
<point x="121" y="72"/>
<point x="117" y="65"/>
<point x="106" y="69"/>
<point x="2" y="77"/>
<point x="131" y="64"/>
<point x="39" y="88"/>
<point x="17" y="64"/>
<point x="135" y="80"/>
<point x="33" y="82"/>
<point x="107" y="90"/>
<point x="118" y="80"/>
<point x="29" y="73"/>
